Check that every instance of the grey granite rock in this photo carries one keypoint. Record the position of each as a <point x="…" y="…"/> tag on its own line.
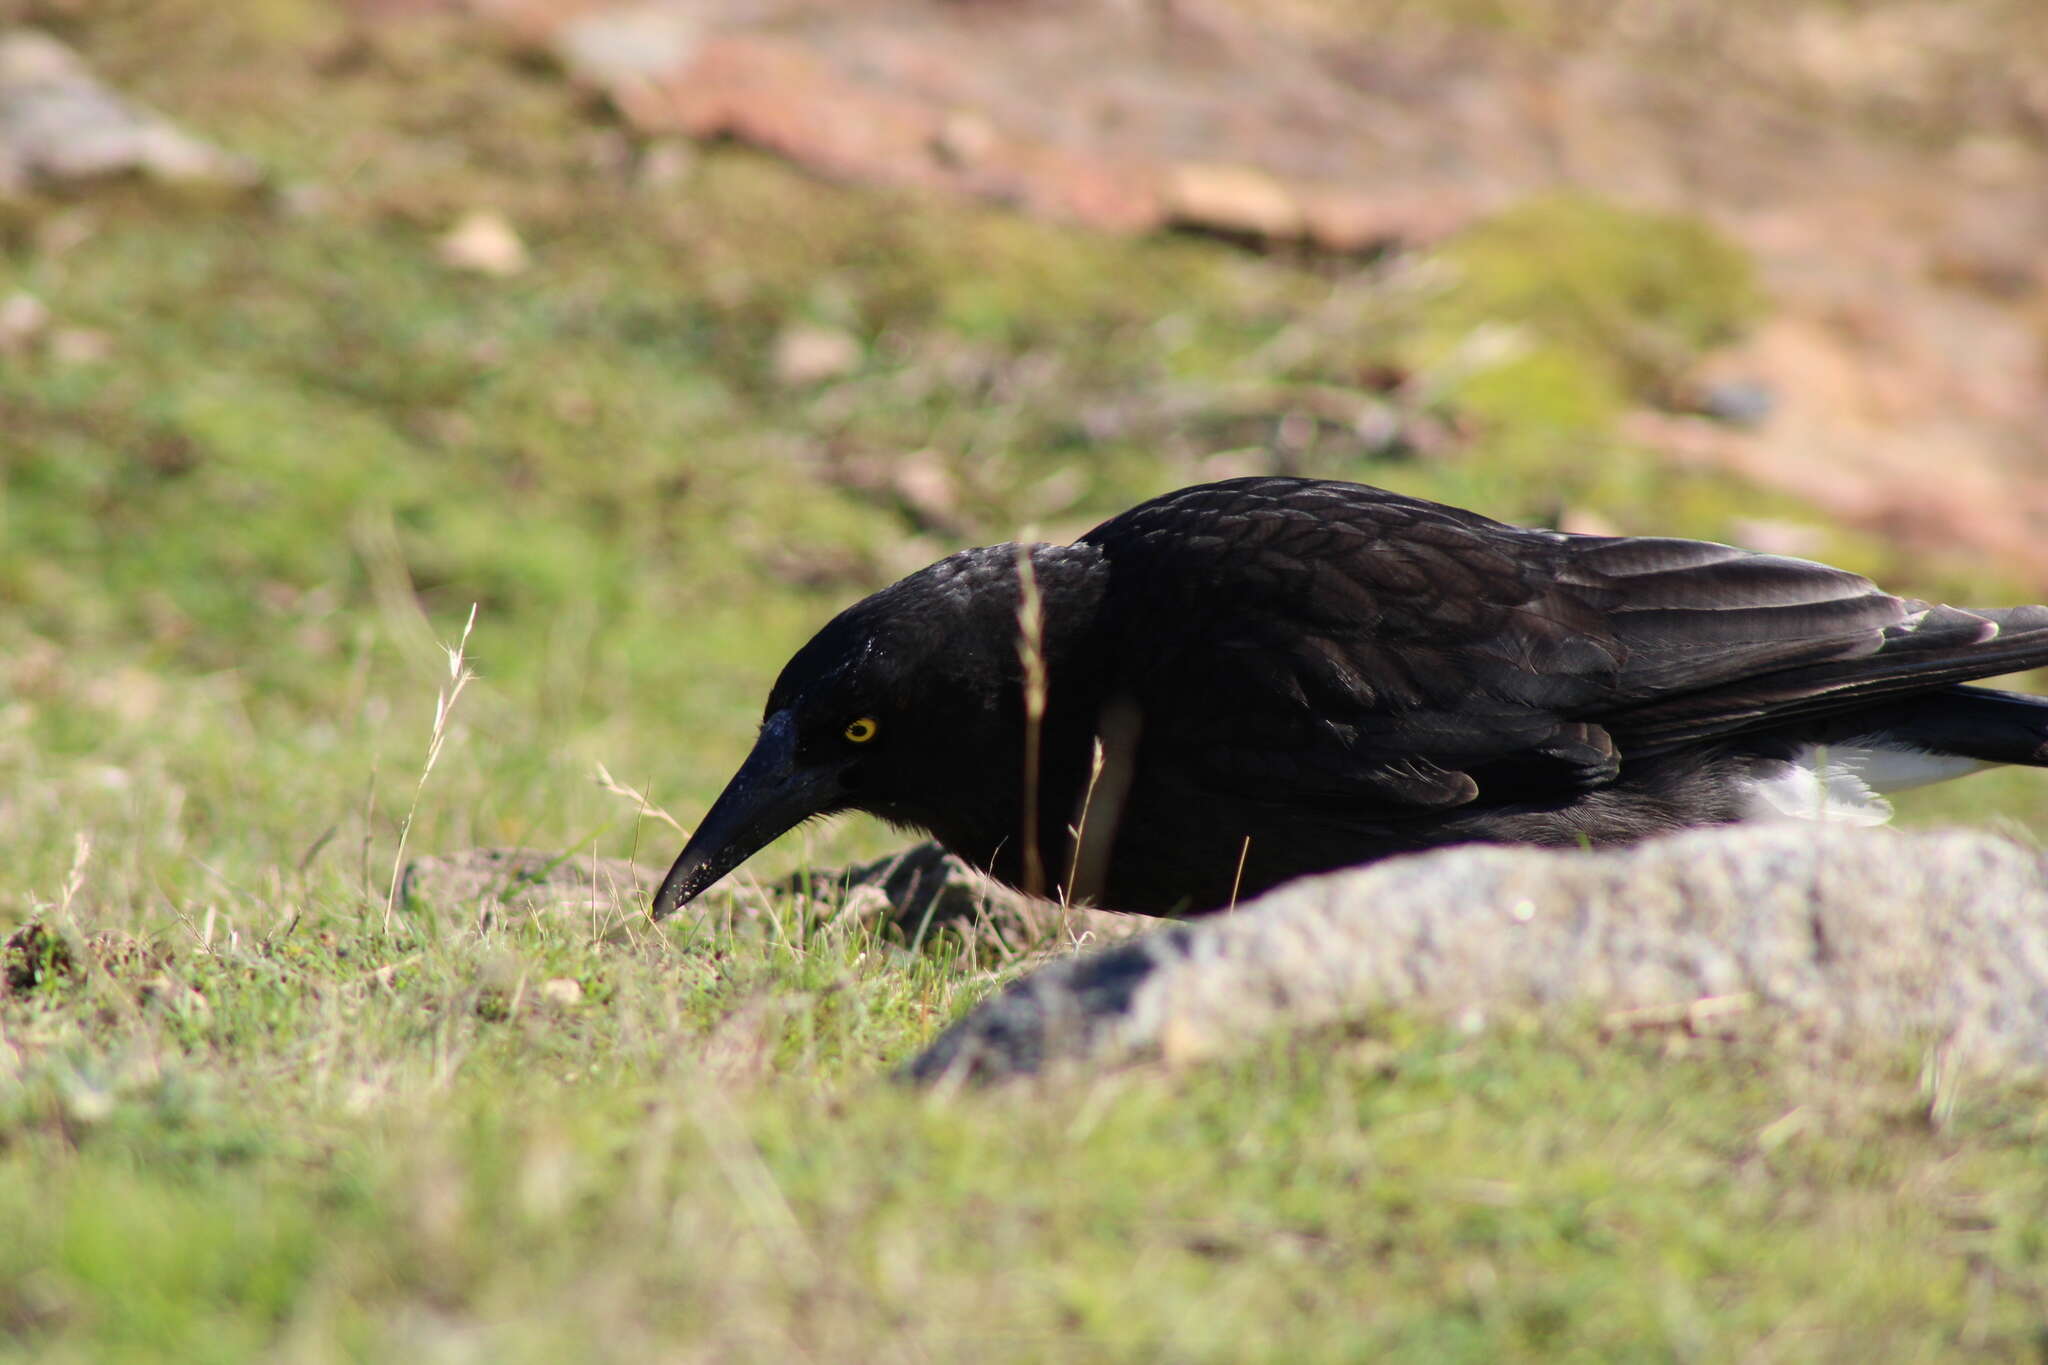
<point x="1851" y="936"/>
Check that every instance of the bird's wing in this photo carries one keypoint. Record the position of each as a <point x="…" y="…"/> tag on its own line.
<point x="1342" y="646"/>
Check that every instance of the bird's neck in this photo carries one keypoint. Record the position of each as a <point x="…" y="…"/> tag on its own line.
<point x="1022" y="770"/>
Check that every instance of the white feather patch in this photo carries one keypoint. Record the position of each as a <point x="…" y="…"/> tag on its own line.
<point x="1894" y="770"/>
<point x="1844" y="784"/>
<point x="1826" y="793"/>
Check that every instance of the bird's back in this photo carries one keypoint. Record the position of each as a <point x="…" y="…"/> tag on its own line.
<point x="1325" y="669"/>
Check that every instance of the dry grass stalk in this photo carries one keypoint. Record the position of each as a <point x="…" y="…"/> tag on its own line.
<point x="81" y="854"/>
<point x="459" y="677"/>
<point x="1102" y="804"/>
<point x="604" y="779"/>
<point x="1031" y="653"/>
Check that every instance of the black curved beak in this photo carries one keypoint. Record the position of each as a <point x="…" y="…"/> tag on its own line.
<point x="769" y="795"/>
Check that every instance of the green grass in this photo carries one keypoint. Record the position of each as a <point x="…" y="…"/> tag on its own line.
<point x="275" y="1127"/>
<point x="702" y="1156"/>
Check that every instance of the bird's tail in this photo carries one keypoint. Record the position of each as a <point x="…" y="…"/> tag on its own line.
<point x="1976" y="723"/>
<point x="1984" y="723"/>
<point x="1973" y="722"/>
<point x="1911" y="685"/>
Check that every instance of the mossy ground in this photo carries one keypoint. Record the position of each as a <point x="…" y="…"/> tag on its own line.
<point x="279" y="1125"/>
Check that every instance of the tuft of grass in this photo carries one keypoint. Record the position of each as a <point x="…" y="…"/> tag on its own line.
<point x="1584" y="304"/>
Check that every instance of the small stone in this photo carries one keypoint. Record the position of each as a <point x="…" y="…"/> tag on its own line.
<point x="80" y="346"/>
<point x="1232" y="199"/>
<point x="628" y="42"/>
<point x="965" y="138"/>
<point x="1801" y="540"/>
<point x="1740" y="402"/>
<point x="867" y="904"/>
<point x="806" y="355"/>
<point x="1583" y="521"/>
<point x="86" y="1104"/>
<point x="928" y="488"/>
<point x="23" y="317"/>
<point x="563" y="992"/>
<point x="484" y="243"/>
<point x="1235" y="464"/>
<point x="1379" y="426"/>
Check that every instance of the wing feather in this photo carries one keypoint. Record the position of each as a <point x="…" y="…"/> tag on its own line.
<point x="1366" y="652"/>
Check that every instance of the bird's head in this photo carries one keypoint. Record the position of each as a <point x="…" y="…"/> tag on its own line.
<point x="898" y="693"/>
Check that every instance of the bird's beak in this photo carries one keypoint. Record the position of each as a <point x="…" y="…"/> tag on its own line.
<point x="770" y="794"/>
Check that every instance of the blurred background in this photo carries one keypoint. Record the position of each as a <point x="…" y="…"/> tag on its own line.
<point x="660" y="331"/>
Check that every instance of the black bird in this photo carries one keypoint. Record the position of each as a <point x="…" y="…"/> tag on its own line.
<point x="1239" y="683"/>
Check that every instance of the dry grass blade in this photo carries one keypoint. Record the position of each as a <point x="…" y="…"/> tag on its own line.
<point x="81" y="854"/>
<point x="1102" y="803"/>
<point x="603" y="777"/>
<point x="1244" y="853"/>
<point x="1031" y="653"/>
<point x="459" y="676"/>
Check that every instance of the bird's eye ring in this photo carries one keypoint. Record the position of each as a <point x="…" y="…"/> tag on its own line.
<point x="861" y="731"/>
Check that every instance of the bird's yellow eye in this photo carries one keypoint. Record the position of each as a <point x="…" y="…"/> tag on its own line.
<point x="862" y="730"/>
